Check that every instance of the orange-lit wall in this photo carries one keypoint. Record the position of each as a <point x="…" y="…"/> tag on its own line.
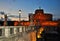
<point x="40" y="16"/>
<point x="23" y="23"/>
<point x="16" y="23"/>
<point x="49" y="23"/>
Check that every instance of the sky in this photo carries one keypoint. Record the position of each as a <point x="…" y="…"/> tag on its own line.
<point x="12" y="7"/>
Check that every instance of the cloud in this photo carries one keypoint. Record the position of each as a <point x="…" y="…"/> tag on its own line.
<point x="13" y="16"/>
<point x="2" y="13"/>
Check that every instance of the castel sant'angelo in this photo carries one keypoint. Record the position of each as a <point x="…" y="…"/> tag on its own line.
<point x="38" y="18"/>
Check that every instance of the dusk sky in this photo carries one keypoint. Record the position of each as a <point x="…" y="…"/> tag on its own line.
<point x="29" y="6"/>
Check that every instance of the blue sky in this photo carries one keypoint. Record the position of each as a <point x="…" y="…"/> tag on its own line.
<point x="29" y="6"/>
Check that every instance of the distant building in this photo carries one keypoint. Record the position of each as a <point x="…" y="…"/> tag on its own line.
<point x="36" y="19"/>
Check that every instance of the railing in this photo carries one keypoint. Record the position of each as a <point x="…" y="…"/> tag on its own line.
<point x="10" y="33"/>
